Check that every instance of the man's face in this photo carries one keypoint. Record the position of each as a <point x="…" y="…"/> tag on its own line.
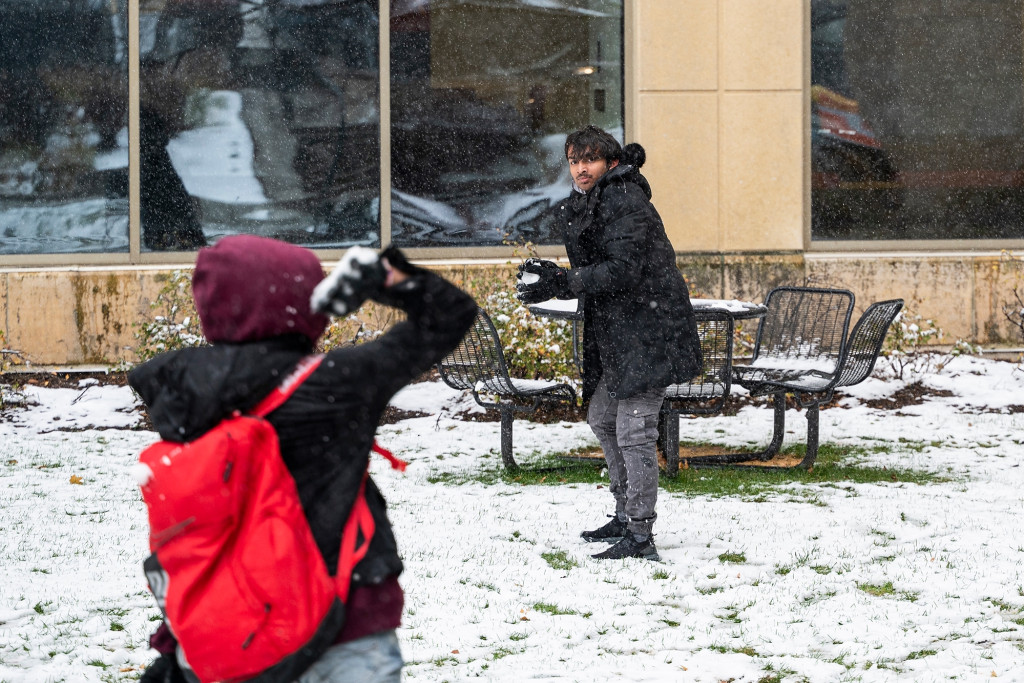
<point x="586" y="168"/>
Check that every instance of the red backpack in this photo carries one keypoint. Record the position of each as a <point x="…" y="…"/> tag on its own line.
<point x="234" y="565"/>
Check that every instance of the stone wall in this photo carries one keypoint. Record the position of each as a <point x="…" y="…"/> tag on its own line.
<point x="89" y="316"/>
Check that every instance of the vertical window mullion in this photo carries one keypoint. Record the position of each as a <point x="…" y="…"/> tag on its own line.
<point x="134" y="177"/>
<point x="384" y="96"/>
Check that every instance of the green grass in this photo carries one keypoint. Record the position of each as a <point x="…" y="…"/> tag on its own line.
<point x="877" y="589"/>
<point x="836" y="465"/>
<point x="548" y="608"/>
<point x="735" y="558"/>
<point x="559" y="560"/>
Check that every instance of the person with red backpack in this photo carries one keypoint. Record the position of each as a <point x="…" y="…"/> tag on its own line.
<point x="263" y="305"/>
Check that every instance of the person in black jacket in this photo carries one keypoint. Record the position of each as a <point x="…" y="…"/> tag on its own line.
<point x="639" y="332"/>
<point x="253" y="298"/>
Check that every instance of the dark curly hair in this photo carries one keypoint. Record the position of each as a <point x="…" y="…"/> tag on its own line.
<point x="594" y="142"/>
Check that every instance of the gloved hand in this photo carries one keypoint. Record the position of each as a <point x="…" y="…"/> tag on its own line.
<point x="357" y="277"/>
<point x="540" y="280"/>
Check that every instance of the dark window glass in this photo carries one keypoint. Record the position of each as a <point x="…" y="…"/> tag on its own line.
<point x="917" y="119"/>
<point x="259" y="117"/>
<point x="483" y="94"/>
<point x="63" y="127"/>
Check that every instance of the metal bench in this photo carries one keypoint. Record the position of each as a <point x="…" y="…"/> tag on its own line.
<point x="478" y="365"/>
<point x="802" y="349"/>
<point x="705" y="394"/>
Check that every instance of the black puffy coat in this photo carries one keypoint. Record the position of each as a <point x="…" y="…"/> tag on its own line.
<point x="639" y="329"/>
<point x="326" y="428"/>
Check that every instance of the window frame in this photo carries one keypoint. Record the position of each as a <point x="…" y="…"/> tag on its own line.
<point x="136" y="256"/>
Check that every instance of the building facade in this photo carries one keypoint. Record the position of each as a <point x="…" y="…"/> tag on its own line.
<point x="876" y="145"/>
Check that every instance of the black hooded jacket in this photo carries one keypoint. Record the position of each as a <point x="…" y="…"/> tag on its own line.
<point x="639" y="330"/>
<point x="326" y="428"/>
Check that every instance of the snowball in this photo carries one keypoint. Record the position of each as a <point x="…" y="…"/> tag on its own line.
<point x="140" y="473"/>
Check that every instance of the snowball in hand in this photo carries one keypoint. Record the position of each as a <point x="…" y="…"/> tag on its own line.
<point x="338" y="292"/>
<point x="529" y="278"/>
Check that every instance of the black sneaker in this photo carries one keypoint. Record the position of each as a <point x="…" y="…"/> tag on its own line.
<point x="630" y="547"/>
<point x="614" y="530"/>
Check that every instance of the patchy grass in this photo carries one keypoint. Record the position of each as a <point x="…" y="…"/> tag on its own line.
<point x="548" y="608"/>
<point x="837" y="466"/>
<point x="734" y="558"/>
<point x="560" y="560"/>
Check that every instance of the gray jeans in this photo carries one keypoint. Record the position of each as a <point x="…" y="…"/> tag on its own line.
<point x="628" y="432"/>
<point x="373" y="659"/>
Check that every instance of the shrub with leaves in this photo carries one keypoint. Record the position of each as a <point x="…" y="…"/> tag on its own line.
<point x="175" y="325"/>
<point x="363" y="325"/>
<point x="7" y="356"/>
<point x="535" y="347"/>
<point x="906" y="351"/>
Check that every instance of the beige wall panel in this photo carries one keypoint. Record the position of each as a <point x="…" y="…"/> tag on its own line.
<point x="679" y="132"/>
<point x="44" y="325"/>
<point x="750" y="277"/>
<point x="762" y="44"/>
<point x="937" y="288"/>
<point x="761" y="190"/>
<point x="995" y="280"/>
<point x="76" y="317"/>
<point x="677" y="45"/>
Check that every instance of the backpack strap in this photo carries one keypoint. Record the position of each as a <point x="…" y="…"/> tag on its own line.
<point x="280" y="394"/>
<point x="359" y="523"/>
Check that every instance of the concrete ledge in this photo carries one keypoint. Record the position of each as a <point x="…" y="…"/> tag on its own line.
<point x="88" y="316"/>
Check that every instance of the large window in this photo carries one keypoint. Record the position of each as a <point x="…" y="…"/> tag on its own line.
<point x="259" y="117"/>
<point x="483" y="93"/>
<point x="917" y="111"/>
<point x="264" y="117"/>
<point x="63" y="126"/>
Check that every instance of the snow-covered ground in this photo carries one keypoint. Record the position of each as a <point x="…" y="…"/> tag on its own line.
<point x="832" y="582"/>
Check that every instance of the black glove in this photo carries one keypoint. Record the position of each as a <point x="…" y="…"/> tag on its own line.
<point x="358" y="276"/>
<point x="540" y="280"/>
<point x="396" y="259"/>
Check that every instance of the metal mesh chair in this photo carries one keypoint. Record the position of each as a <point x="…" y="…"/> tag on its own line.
<point x="803" y="333"/>
<point x="478" y="365"/>
<point x="801" y="357"/>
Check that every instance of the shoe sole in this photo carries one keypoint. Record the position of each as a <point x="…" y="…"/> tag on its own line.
<point x="651" y="558"/>
<point x="608" y="539"/>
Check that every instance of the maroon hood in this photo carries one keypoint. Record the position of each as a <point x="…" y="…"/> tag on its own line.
<point x="248" y="288"/>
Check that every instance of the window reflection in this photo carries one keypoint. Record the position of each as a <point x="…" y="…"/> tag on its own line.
<point x="259" y="117"/>
<point x="483" y="93"/>
<point x="917" y="114"/>
<point x="63" y="127"/>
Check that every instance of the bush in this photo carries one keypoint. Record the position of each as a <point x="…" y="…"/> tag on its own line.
<point x="176" y="324"/>
<point x="905" y="352"/>
<point x="6" y="361"/>
<point x="535" y="347"/>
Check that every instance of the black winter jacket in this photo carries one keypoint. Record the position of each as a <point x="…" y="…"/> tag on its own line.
<point x="639" y="329"/>
<point x="326" y="428"/>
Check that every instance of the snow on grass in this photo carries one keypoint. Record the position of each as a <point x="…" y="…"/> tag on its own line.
<point x="846" y="581"/>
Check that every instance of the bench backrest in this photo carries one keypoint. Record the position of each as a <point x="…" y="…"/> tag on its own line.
<point x="804" y="329"/>
<point x="866" y="341"/>
<point x="477" y="364"/>
<point x="714" y="381"/>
